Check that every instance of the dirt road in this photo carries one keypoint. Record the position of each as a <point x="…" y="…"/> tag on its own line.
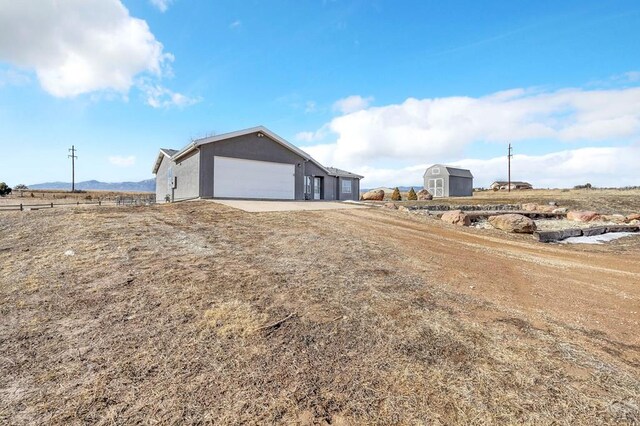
<point x="198" y="313"/>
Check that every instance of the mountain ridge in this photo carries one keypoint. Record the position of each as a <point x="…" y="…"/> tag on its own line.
<point x="147" y="185"/>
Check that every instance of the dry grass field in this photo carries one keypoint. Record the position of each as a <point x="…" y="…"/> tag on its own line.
<point x="62" y="197"/>
<point x="196" y="313"/>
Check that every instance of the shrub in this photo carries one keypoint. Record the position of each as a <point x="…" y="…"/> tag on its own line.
<point x="4" y="189"/>
<point x="412" y="196"/>
<point x="396" y="195"/>
<point x="20" y="187"/>
<point x="585" y="186"/>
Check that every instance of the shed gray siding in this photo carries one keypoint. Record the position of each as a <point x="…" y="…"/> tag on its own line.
<point x="456" y="182"/>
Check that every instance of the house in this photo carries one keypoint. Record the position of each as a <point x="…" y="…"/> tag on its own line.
<point x="253" y="163"/>
<point x="447" y="181"/>
<point x="503" y="184"/>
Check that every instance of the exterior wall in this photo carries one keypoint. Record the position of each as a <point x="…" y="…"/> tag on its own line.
<point x="252" y="147"/>
<point x="187" y="170"/>
<point x="454" y="186"/>
<point x="460" y="186"/>
<point x="355" y="189"/>
<point x="442" y="174"/>
<point x="327" y="191"/>
<point x="162" y="187"/>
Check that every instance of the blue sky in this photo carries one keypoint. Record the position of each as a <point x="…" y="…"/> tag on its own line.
<point x="382" y="88"/>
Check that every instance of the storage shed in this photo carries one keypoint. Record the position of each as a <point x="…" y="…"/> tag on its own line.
<point x="447" y="181"/>
<point x="253" y="163"/>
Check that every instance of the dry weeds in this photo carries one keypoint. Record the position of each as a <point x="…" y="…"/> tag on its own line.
<point x="159" y="318"/>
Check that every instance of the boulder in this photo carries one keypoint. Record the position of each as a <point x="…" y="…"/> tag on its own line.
<point x="582" y="216"/>
<point x="530" y="207"/>
<point x="391" y="206"/>
<point x="615" y="218"/>
<point x="513" y="223"/>
<point x="456" y="217"/>
<point x="424" y="195"/>
<point x="631" y="217"/>
<point x="373" y="195"/>
<point x="560" y="210"/>
<point x="403" y="209"/>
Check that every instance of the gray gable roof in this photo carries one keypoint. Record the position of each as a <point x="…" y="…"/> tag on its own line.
<point x="333" y="171"/>
<point x="454" y="171"/>
<point x="175" y="154"/>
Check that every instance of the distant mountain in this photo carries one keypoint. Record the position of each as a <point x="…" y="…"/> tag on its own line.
<point x="148" y="185"/>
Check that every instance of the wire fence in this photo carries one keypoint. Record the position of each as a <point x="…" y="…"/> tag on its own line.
<point x="115" y="201"/>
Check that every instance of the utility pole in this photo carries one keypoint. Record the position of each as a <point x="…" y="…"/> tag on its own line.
<point x="73" y="157"/>
<point x="509" y="155"/>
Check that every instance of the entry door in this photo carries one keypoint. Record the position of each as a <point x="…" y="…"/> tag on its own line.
<point x="316" y="188"/>
<point x="436" y="187"/>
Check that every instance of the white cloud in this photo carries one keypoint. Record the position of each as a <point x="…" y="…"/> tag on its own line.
<point x="122" y="161"/>
<point x="433" y="129"/>
<point x="352" y="104"/>
<point x="161" y="5"/>
<point x="235" y="24"/>
<point x="79" y="46"/>
<point x="601" y="166"/>
<point x="158" y="96"/>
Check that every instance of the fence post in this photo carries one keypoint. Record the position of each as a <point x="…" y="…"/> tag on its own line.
<point x="52" y="205"/>
<point x="99" y="202"/>
<point x="20" y="206"/>
<point x="77" y="203"/>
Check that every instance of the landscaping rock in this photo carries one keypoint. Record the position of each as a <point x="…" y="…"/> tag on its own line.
<point x="391" y="206"/>
<point x="373" y="195"/>
<point x="615" y="218"/>
<point x="622" y="228"/>
<point x="530" y="207"/>
<point x="547" y="236"/>
<point x="631" y="217"/>
<point x="424" y="195"/>
<point x="598" y="230"/>
<point x="560" y="210"/>
<point x="513" y="223"/>
<point x="403" y="209"/>
<point x="456" y="217"/>
<point x="582" y="216"/>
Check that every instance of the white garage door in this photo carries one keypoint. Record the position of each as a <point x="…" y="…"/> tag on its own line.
<point x="239" y="178"/>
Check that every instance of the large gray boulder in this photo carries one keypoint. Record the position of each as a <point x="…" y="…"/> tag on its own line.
<point x="517" y="223"/>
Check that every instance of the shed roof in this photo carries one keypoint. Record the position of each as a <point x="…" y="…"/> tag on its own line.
<point x="452" y="171"/>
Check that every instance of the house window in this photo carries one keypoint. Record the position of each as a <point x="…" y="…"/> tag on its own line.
<point x="435" y="171"/>
<point x="346" y="186"/>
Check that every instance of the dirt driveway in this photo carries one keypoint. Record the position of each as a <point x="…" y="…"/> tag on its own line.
<point x="256" y="206"/>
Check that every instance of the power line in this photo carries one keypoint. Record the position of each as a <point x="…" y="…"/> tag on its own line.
<point x="73" y="157"/>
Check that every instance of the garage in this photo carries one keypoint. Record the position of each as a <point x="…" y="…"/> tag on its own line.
<point x="241" y="178"/>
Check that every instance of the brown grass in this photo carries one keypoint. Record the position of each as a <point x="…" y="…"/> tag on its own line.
<point x="159" y="318"/>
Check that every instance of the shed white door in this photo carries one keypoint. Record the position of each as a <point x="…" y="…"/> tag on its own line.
<point x="240" y="178"/>
<point x="436" y="187"/>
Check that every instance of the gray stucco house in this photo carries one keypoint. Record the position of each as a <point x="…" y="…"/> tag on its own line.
<point x="253" y="163"/>
<point x="447" y="181"/>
